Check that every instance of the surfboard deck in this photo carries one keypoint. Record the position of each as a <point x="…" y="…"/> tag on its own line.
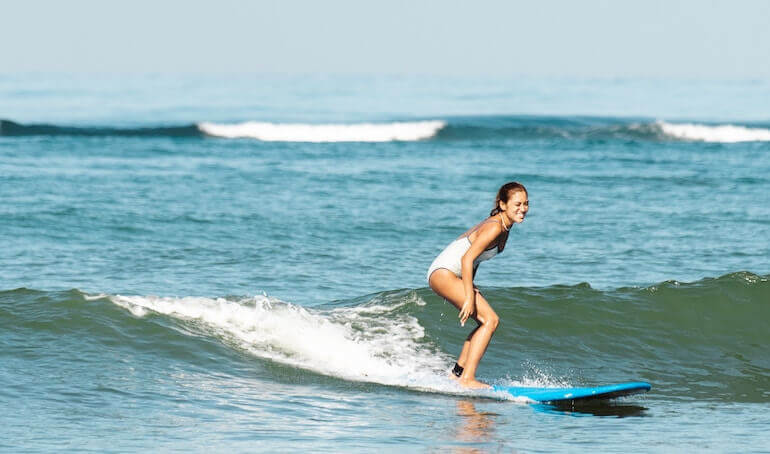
<point x="561" y="395"/>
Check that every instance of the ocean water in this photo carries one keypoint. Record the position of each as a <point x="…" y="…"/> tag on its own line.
<point x="237" y="263"/>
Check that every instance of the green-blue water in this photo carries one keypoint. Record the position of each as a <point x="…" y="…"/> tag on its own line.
<point x="239" y="263"/>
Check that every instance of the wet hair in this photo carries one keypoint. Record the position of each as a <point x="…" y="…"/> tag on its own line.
<point x="505" y="193"/>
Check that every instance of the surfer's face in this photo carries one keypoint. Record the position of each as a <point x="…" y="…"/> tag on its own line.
<point x="516" y="207"/>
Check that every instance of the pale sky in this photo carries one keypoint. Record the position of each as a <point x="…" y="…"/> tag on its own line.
<point x="592" y="38"/>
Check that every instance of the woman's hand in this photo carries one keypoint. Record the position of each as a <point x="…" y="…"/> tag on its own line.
<point x="469" y="308"/>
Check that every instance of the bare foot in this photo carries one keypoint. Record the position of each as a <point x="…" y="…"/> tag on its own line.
<point x="472" y="384"/>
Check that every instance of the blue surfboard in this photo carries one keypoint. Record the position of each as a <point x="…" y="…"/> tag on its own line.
<point x="562" y="395"/>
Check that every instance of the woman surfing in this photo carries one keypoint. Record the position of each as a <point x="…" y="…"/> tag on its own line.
<point x="451" y="275"/>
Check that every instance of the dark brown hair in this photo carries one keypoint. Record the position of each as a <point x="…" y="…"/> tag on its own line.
<point x="505" y="193"/>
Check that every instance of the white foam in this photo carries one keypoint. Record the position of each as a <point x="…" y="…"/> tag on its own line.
<point x="298" y="132"/>
<point x="351" y="343"/>
<point x="711" y="133"/>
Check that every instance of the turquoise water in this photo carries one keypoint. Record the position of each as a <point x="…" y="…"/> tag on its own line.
<point x="239" y="262"/>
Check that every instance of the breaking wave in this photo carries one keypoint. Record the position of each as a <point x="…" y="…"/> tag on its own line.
<point x="714" y="133"/>
<point x="297" y="132"/>
<point x="704" y="340"/>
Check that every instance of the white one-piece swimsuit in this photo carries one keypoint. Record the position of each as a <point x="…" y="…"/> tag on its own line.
<point x="451" y="257"/>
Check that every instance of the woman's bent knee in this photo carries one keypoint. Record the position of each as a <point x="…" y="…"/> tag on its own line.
<point x="493" y="322"/>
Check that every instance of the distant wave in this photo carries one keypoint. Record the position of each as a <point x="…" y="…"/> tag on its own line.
<point x="451" y="129"/>
<point x="298" y="132"/>
<point x="11" y="128"/>
<point x="263" y="131"/>
<point x="714" y="133"/>
<point x="597" y="129"/>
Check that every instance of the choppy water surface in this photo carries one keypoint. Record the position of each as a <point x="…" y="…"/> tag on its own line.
<point x="241" y="265"/>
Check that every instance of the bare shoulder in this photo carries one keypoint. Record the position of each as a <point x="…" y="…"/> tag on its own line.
<point x="487" y="229"/>
<point x="490" y="226"/>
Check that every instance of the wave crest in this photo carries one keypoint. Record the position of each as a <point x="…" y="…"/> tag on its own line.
<point x="355" y="343"/>
<point x="714" y="133"/>
<point x="299" y="132"/>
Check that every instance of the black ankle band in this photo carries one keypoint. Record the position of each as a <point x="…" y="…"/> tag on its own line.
<point x="458" y="370"/>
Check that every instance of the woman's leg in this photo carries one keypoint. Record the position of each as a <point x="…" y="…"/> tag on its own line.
<point x="466" y="346"/>
<point x="450" y="287"/>
<point x="488" y="323"/>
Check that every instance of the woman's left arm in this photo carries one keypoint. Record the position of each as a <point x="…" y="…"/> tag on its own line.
<point x="484" y="237"/>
